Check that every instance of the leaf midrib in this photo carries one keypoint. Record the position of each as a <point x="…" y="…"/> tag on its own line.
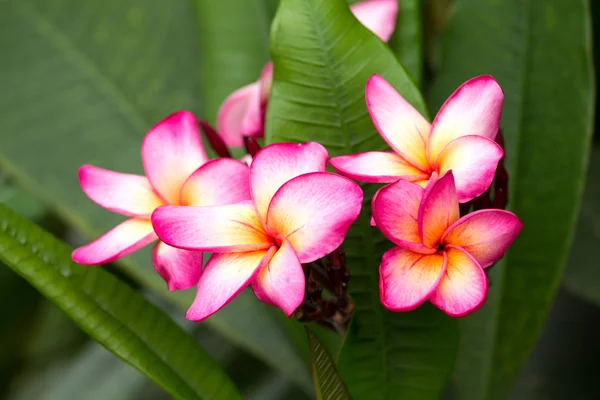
<point x="364" y="224"/>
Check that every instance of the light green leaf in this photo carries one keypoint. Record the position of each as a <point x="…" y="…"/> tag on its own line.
<point x="323" y="57"/>
<point x="82" y="83"/>
<point x="582" y="275"/>
<point x="112" y="313"/>
<point x="234" y="39"/>
<point x="540" y="53"/>
<point x="328" y="382"/>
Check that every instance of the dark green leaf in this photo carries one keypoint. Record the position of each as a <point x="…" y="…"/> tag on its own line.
<point x="582" y="275"/>
<point x="539" y="51"/>
<point x="323" y="57"/>
<point x="82" y="83"/>
<point x="234" y="39"/>
<point x="328" y="382"/>
<point x="407" y="42"/>
<point x="112" y="313"/>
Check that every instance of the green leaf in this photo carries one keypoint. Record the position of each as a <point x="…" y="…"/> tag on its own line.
<point x="582" y="275"/>
<point x="82" y="84"/>
<point x="328" y="383"/>
<point x="112" y="313"/>
<point x="323" y="57"/>
<point x="234" y="39"/>
<point x="540" y="53"/>
<point x="407" y="41"/>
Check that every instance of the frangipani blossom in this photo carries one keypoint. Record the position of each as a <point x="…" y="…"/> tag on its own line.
<point x="298" y="214"/>
<point x="461" y="138"/>
<point x="177" y="172"/>
<point x="242" y="113"/>
<point x="440" y="257"/>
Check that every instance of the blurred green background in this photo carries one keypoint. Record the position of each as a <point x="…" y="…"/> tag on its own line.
<point x="81" y="82"/>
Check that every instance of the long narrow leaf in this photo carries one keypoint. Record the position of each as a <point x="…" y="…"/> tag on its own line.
<point x="328" y="382"/>
<point x="112" y="313"/>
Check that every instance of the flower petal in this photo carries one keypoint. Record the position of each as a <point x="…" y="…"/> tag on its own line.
<point x="228" y="228"/>
<point x="180" y="268"/>
<point x="218" y="182"/>
<point x="473" y="161"/>
<point x="253" y="121"/>
<point x="379" y="16"/>
<point x="395" y="211"/>
<point x="463" y="287"/>
<point x="473" y="109"/>
<point x="171" y="151"/>
<point x="123" y="239"/>
<point x="314" y="212"/>
<point x="281" y="282"/>
<point x="438" y="209"/>
<point x="485" y="234"/>
<point x="266" y="81"/>
<point x="400" y="125"/>
<point x="277" y="163"/>
<point x="232" y="112"/>
<point x="376" y="167"/>
<point x="407" y="279"/>
<point x="126" y="194"/>
<point x="224" y="277"/>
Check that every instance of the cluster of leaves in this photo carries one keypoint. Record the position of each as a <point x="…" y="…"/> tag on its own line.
<point x="85" y="88"/>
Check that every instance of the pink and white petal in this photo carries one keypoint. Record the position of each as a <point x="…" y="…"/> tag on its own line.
<point x="473" y="109"/>
<point x="266" y="81"/>
<point x="281" y="282"/>
<point x="123" y="239"/>
<point x="221" y="229"/>
<point x="395" y="210"/>
<point x="126" y="194"/>
<point x="473" y="161"/>
<point x="379" y="16"/>
<point x="463" y="287"/>
<point x="277" y="163"/>
<point x="407" y="279"/>
<point x="218" y="182"/>
<point x="180" y="268"/>
<point x="485" y="234"/>
<point x="438" y="210"/>
<point x="171" y="151"/>
<point x="253" y="121"/>
<point x="232" y="113"/>
<point x="376" y="167"/>
<point x="224" y="277"/>
<point x="314" y="212"/>
<point x="398" y="123"/>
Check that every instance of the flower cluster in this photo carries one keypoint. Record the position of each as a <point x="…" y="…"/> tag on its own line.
<point x="266" y="221"/>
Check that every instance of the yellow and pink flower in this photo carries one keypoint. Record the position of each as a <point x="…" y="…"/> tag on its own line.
<point x="178" y="172"/>
<point x="439" y="257"/>
<point x="461" y="138"/>
<point x="298" y="213"/>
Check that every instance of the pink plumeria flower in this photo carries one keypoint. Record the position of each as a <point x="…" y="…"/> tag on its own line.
<point x="440" y="257"/>
<point x="177" y="172"/>
<point x="298" y="214"/>
<point x="461" y="138"/>
<point x="242" y="114"/>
